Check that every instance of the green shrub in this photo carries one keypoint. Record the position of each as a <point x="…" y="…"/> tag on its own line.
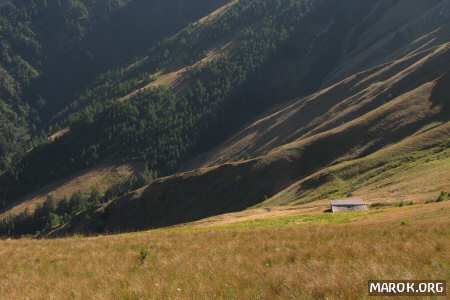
<point x="442" y="197"/>
<point x="144" y="252"/>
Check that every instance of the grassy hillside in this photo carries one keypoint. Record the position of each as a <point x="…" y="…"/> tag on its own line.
<point x="412" y="76"/>
<point x="307" y="256"/>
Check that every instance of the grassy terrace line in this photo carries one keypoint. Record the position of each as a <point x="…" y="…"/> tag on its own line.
<point x="271" y="261"/>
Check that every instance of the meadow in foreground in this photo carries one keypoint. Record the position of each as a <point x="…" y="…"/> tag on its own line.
<point x="330" y="259"/>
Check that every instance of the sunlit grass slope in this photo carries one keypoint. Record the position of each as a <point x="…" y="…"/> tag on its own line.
<point x="313" y="256"/>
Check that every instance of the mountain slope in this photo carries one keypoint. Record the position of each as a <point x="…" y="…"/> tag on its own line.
<point x="391" y="31"/>
<point x="228" y="68"/>
<point x="332" y="106"/>
<point x="356" y="136"/>
<point x="245" y="58"/>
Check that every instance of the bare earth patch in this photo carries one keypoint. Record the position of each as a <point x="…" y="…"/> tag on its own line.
<point x="59" y="134"/>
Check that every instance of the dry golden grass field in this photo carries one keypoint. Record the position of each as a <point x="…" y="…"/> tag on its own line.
<point x="307" y="256"/>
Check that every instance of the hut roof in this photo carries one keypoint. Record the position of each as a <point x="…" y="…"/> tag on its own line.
<point x="347" y="202"/>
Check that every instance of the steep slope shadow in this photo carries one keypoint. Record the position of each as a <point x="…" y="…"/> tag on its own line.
<point x="330" y="107"/>
<point x="390" y="31"/>
<point x="441" y="95"/>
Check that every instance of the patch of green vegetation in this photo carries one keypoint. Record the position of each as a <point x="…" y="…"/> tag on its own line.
<point x="309" y="220"/>
<point x="279" y="222"/>
<point x="379" y="205"/>
<point x="78" y="235"/>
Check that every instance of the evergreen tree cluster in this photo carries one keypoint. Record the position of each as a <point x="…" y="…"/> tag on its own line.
<point x="56" y="212"/>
